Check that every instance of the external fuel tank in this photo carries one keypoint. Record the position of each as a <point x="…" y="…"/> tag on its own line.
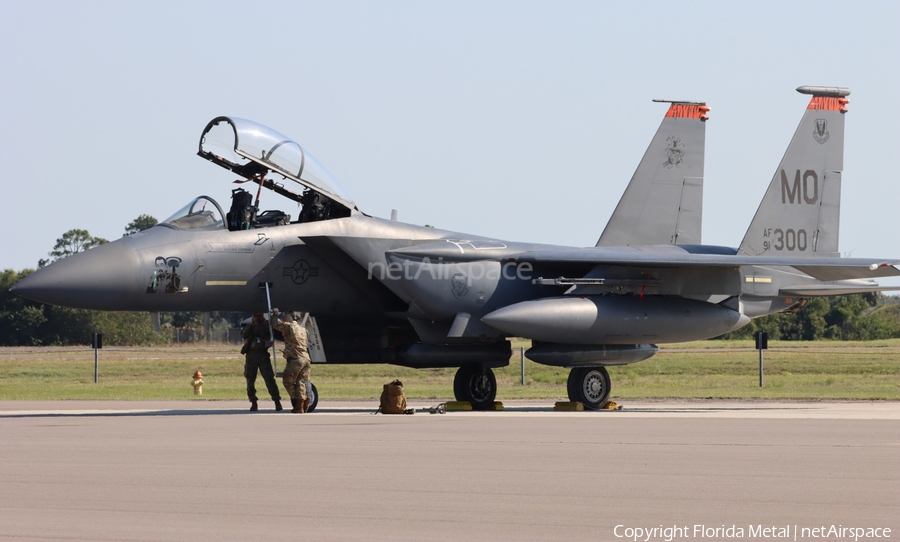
<point x="615" y="319"/>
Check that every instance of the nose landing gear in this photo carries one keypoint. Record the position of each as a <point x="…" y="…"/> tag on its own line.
<point x="313" y="395"/>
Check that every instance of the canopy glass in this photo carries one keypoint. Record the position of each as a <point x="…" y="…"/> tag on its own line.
<point x="249" y="149"/>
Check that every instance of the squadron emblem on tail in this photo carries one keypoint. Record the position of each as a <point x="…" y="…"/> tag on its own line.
<point x="674" y="152"/>
<point x="820" y="132"/>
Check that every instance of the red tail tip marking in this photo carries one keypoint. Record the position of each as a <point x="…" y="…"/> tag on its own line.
<point x="687" y="111"/>
<point x="828" y="103"/>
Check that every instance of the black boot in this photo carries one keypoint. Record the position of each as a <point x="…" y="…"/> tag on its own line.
<point x="253" y="406"/>
<point x="293" y="403"/>
<point x="278" y="407"/>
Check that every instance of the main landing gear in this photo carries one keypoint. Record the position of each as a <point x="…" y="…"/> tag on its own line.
<point x="589" y="386"/>
<point x="475" y="384"/>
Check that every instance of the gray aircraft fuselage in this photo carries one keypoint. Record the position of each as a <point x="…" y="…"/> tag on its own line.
<point x="166" y="269"/>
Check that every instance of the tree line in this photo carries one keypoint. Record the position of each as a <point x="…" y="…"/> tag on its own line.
<point x="27" y="323"/>
<point x="860" y="317"/>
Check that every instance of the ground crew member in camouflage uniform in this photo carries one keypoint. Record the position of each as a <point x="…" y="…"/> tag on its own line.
<point x="296" y="373"/>
<point x="257" y="359"/>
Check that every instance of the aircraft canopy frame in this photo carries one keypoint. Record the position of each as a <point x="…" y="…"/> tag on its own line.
<point x="257" y="149"/>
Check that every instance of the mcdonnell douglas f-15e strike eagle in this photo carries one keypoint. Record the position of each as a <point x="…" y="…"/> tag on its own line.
<point x="381" y="291"/>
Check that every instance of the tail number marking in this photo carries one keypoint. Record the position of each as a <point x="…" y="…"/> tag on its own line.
<point x="790" y="240"/>
<point x="804" y="190"/>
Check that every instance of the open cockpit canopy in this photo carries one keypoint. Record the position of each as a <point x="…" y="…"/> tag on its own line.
<point x="253" y="151"/>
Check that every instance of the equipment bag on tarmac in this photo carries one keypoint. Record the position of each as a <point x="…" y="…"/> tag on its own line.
<point x="392" y="399"/>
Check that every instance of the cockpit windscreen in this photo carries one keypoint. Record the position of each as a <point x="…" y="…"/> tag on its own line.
<point x="203" y="213"/>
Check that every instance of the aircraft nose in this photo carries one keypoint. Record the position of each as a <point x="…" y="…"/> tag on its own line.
<point x="100" y="278"/>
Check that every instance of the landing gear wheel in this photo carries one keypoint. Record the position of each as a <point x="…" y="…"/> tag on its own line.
<point x="476" y="385"/>
<point x="590" y="386"/>
<point x="313" y="395"/>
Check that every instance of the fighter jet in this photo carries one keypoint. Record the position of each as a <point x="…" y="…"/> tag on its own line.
<point x="381" y="291"/>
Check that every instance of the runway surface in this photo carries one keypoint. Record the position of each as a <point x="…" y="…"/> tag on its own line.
<point x="204" y="470"/>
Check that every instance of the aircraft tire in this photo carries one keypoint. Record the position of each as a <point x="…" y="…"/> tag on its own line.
<point x="572" y="384"/>
<point x="313" y="395"/>
<point x="589" y="386"/>
<point x="475" y="384"/>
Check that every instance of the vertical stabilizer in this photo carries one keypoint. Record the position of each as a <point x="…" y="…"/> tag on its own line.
<point x="662" y="204"/>
<point x="800" y="214"/>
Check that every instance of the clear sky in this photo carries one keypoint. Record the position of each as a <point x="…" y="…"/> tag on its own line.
<point x="522" y="121"/>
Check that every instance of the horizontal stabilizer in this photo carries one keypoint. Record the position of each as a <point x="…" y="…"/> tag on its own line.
<point x="845" y="272"/>
<point x="833" y="289"/>
<point x="821" y="268"/>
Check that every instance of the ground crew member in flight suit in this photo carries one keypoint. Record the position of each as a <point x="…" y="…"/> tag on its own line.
<point x="256" y="359"/>
<point x="296" y="373"/>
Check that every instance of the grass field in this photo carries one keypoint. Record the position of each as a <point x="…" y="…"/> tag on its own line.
<point x="705" y="369"/>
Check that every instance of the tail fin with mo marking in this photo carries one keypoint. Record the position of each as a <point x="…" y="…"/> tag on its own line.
<point x="800" y="214"/>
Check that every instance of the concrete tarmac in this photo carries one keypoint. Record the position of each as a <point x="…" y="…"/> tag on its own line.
<point x="210" y="470"/>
